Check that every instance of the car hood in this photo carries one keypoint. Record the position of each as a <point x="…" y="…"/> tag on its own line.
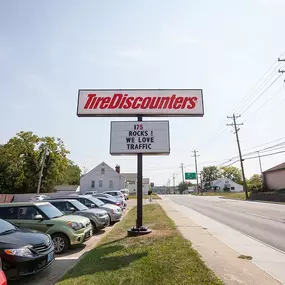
<point x="110" y="207"/>
<point x="72" y="218"/>
<point x="94" y="211"/>
<point x="22" y="237"/>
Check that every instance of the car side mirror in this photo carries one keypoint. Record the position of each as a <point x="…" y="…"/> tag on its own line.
<point x="38" y="217"/>
<point x="93" y="206"/>
<point x="72" y="209"/>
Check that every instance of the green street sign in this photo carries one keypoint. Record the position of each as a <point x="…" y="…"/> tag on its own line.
<point x="190" y="175"/>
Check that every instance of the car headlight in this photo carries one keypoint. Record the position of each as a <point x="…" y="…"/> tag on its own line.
<point x="21" y="251"/>
<point x="75" y="226"/>
<point x="99" y="215"/>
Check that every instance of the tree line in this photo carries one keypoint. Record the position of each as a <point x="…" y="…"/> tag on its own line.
<point x="21" y="159"/>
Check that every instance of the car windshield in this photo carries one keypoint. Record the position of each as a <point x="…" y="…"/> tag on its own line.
<point x="96" y="201"/>
<point x="79" y="205"/>
<point x="50" y="211"/>
<point x="6" y="227"/>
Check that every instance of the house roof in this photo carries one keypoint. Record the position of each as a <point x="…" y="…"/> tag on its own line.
<point x="277" y="167"/>
<point x="130" y="176"/>
<point x="133" y="177"/>
<point x="66" y="187"/>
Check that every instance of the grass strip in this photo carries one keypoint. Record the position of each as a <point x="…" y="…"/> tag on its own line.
<point x="163" y="257"/>
<point x="154" y="197"/>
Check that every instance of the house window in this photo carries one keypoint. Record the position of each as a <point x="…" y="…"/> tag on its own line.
<point x="232" y="188"/>
<point x="111" y="184"/>
<point x="92" y="184"/>
<point x="100" y="183"/>
<point x="102" y="170"/>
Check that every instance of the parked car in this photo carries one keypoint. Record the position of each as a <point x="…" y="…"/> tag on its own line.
<point x="117" y="195"/>
<point x="112" y="201"/>
<point x="98" y="217"/>
<point x="38" y="198"/>
<point x="65" y="230"/>
<point x="90" y="193"/>
<point x="3" y="280"/>
<point x="126" y="193"/>
<point x="23" y="251"/>
<point x="122" y="201"/>
<point x="114" y="212"/>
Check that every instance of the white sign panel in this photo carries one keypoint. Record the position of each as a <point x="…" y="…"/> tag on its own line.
<point x="129" y="102"/>
<point x="148" y="137"/>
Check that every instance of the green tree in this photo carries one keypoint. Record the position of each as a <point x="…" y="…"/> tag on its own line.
<point x="232" y="173"/>
<point x="210" y="173"/>
<point x="255" y="182"/>
<point x="21" y="159"/>
<point x="183" y="186"/>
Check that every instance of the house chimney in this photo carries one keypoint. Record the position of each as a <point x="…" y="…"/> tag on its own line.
<point x="117" y="168"/>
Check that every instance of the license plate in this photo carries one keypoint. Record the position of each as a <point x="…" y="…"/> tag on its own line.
<point x="50" y="257"/>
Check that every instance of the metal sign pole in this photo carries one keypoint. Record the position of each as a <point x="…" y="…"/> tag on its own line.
<point x="139" y="229"/>
<point x="139" y="186"/>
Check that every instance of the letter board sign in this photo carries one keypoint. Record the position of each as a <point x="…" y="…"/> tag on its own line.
<point x="129" y="102"/>
<point x="147" y="137"/>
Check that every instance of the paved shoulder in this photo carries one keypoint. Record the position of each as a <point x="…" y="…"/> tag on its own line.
<point x="221" y="258"/>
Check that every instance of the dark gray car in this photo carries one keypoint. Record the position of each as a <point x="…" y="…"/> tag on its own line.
<point x="98" y="217"/>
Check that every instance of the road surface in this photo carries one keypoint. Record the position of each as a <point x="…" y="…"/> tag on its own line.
<point x="263" y="221"/>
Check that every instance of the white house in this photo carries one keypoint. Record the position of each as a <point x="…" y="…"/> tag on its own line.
<point x="131" y="183"/>
<point x="222" y="183"/>
<point x="102" y="178"/>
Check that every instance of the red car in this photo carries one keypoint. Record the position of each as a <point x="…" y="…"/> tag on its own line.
<point x="3" y="280"/>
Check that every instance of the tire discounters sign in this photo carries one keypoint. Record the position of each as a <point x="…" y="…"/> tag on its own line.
<point x="129" y="102"/>
<point x="148" y="137"/>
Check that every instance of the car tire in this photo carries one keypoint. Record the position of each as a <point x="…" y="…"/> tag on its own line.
<point x="111" y="223"/>
<point x="94" y="228"/>
<point x="61" y="243"/>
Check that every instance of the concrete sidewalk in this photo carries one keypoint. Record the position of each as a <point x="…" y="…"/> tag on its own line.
<point x="220" y="246"/>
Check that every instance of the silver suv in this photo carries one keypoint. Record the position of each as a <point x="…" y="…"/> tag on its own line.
<point x="98" y="217"/>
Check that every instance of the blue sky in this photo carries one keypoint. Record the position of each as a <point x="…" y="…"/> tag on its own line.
<point x="50" y="49"/>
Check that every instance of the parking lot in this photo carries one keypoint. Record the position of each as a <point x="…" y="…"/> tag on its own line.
<point x="64" y="262"/>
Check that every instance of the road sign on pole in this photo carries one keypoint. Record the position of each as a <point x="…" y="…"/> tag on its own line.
<point x="190" y="175"/>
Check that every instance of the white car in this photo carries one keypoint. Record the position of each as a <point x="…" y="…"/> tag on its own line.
<point x="90" y="193"/>
<point x="37" y="198"/>
<point x="126" y="193"/>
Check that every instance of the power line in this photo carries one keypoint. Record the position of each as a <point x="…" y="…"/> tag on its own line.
<point x="261" y="94"/>
<point x="269" y="154"/>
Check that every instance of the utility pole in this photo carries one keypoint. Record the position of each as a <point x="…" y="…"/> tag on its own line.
<point x="196" y="167"/>
<point x="234" y="124"/>
<point x="182" y="169"/>
<point x="173" y="179"/>
<point x="41" y="172"/>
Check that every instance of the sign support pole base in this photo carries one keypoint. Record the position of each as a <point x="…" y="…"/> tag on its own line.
<point x="139" y="229"/>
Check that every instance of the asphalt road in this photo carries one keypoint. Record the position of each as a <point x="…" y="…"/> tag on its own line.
<point x="263" y="221"/>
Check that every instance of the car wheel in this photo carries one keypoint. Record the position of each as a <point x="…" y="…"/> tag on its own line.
<point x="60" y="242"/>
<point x="94" y="228"/>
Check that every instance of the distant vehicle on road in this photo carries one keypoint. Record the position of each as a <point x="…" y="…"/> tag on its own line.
<point x="24" y="252"/>
<point x="3" y="280"/>
<point x="114" y="212"/>
<point x="98" y="217"/>
<point x="65" y="230"/>
<point x="38" y="198"/>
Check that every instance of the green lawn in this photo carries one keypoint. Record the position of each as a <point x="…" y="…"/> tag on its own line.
<point x="154" y="197"/>
<point x="227" y="195"/>
<point x="163" y="257"/>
